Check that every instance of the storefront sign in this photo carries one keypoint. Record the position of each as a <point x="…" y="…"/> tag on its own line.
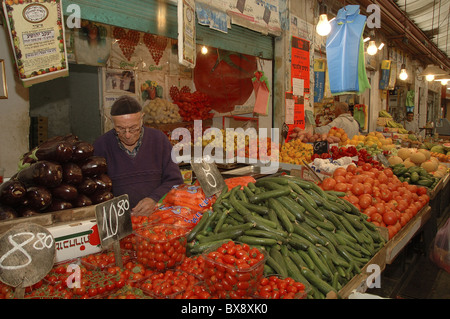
<point x="36" y="32"/>
<point x="186" y="33"/>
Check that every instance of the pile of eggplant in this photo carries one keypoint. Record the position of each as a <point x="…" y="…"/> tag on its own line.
<point x="59" y="174"/>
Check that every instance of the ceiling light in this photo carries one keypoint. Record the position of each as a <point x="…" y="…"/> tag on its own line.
<point x="366" y="39"/>
<point x="372" y="48"/>
<point x="323" y="28"/>
<point x="403" y="75"/>
<point x="431" y="71"/>
<point x="381" y="46"/>
<point x="204" y="50"/>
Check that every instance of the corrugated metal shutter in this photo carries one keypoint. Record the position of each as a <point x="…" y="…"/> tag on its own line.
<point x="142" y="15"/>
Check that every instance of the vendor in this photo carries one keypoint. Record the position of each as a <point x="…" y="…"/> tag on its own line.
<point x="410" y="125"/>
<point x="343" y="119"/>
<point x="139" y="158"/>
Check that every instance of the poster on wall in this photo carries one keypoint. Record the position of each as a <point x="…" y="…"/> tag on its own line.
<point x="319" y="79"/>
<point x="258" y="15"/>
<point x="92" y="43"/>
<point x="120" y="81"/>
<point x="295" y="112"/>
<point x="300" y="66"/>
<point x="36" y="31"/>
<point x="186" y="33"/>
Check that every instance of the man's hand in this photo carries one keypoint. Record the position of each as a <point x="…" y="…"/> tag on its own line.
<point x="145" y="206"/>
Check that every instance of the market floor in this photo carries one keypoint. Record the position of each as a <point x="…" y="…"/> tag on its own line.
<point x="413" y="275"/>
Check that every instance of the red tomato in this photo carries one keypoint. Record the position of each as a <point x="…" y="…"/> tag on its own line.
<point x="340" y="171"/>
<point x="328" y="183"/>
<point x="365" y="200"/>
<point x="357" y="189"/>
<point x="390" y="218"/>
<point x="340" y="187"/>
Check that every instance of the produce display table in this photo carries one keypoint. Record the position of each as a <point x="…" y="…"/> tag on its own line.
<point x="359" y="283"/>
<point x="402" y="238"/>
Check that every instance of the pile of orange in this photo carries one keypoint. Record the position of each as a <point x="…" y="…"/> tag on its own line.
<point x="338" y="132"/>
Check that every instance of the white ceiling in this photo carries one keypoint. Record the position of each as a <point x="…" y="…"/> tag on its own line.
<point x="432" y="17"/>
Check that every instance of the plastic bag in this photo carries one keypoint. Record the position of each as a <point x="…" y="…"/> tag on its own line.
<point x="191" y="196"/>
<point x="176" y="215"/>
<point x="440" y="252"/>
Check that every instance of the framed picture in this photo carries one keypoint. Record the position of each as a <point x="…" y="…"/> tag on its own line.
<point x="3" y="87"/>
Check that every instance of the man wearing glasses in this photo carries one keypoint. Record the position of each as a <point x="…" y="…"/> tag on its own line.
<point x="139" y="158"/>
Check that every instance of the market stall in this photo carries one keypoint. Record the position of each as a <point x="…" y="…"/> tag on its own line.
<point x="305" y="226"/>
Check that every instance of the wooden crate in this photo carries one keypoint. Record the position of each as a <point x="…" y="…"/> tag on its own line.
<point x="51" y="219"/>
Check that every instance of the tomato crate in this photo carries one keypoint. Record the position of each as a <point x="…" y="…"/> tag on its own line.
<point x="160" y="246"/>
<point x="132" y="272"/>
<point x="128" y="292"/>
<point x="105" y="259"/>
<point x="277" y="287"/>
<point x="234" y="275"/>
<point x="170" y="284"/>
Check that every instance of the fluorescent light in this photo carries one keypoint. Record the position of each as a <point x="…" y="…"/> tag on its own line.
<point x="381" y="46"/>
<point x="366" y="39"/>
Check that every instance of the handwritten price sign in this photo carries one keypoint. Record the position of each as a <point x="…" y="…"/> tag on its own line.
<point x="27" y="254"/>
<point x="113" y="220"/>
<point x="208" y="176"/>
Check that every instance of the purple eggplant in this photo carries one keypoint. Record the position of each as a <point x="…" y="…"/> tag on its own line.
<point x="82" y="150"/>
<point x="88" y="186"/>
<point x="7" y="212"/>
<point x="101" y="196"/>
<point x="58" y="204"/>
<point x="43" y="173"/>
<point x="38" y="197"/>
<point x="104" y="182"/>
<point x="81" y="201"/>
<point x="60" y="152"/>
<point x="65" y="191"/>
<point x="12" y="192"/>
<point x="72" y="173"/>
<point x="94" y="166"/>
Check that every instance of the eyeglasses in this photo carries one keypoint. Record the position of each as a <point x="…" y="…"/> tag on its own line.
<point x="132" y="130"/>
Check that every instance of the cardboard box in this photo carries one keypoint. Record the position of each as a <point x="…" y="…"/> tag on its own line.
<point x="381" y="121"/>
<point x="75" y="239"/>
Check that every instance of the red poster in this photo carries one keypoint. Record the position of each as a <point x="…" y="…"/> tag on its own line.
<point x="299" y="79"/>
<point x="298" y="114"/>
<point x="300" y="62"/>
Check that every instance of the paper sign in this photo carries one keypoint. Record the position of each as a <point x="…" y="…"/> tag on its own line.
<point x="289" y="111"/>
<point x="186" y="33"/>
<point x="36" y="31"/>
<point x="300" y="63"/>
<point x="298" y="86"/>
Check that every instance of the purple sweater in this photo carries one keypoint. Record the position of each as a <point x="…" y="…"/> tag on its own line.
<point x="151" y="173"/>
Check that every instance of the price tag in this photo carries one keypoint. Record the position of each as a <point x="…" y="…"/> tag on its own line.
<point x="320" y="147"/>
<point x="113" y="220"/>
<point x="383" y="160"/>
<point x="208" y="176"/>
<point x="27" y="254"/>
